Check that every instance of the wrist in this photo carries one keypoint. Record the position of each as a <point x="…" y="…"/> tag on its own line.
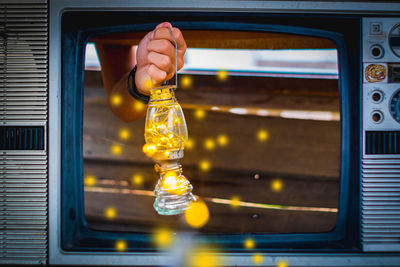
<point x="133" y="90"/>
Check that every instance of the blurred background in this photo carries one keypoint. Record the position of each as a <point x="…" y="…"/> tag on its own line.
<point x="263" y="117"/>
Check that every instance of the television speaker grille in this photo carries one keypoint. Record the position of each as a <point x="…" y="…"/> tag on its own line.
<point x="380" y="204"/>
<point x="23" y="118"/>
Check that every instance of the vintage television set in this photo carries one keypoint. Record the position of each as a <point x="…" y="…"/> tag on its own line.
<point x="293" y="111"/>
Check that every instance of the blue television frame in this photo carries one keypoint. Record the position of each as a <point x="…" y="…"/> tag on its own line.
<point x="344" y="31"/>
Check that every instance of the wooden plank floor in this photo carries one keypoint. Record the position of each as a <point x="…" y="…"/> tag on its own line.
<point x="302" y="154"/>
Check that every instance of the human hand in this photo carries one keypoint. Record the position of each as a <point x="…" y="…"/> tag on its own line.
<point x="156" y="57"/>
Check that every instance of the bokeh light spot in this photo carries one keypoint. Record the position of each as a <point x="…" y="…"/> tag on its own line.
<point x="137" y="179"/>
<point x="203" y="258"/>
<point x="163" y="238"/>
<point x="116" y="100"/>
<point x="189" y="144"/>
<point x="124" y="134"/>
<point x="116" y="149"/>
<point x="249" y="243"/>
<point x="186" y="81"/>
<point x="204" y="165"/>
<point x="197" y="214"/>
<point x="139" y="106"/>
<point x="258" y="258"/>
<point x="282" y="263"/>
<point x="222" y="140"/>
<point x="209" y="144"/>
<point x="277" y="185"/>
<point x="120" y="245"/>
<point x="148" y="84"/>
<point x="222" y="75"/>
<point x="235" y="202"/>
<point x="110" y="213"/>
<point x="262" y="135"/>
<point x="90" y="180"/>
<point x="199" y="114"/>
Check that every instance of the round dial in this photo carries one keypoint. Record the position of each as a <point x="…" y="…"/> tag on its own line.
<point x="395" y="106"/>
<point x="394" y="40"/>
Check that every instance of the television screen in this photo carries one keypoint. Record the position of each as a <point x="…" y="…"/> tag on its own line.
<point x="263" y="116"/>
<point x="270" y="111"/>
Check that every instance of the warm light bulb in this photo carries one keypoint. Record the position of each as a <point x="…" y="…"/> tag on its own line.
<point x="175" y="184"/>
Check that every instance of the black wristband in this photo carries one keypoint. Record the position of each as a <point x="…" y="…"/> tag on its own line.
<point x="133" y="90"/>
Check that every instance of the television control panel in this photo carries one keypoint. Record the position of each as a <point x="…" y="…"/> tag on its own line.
<point x="381" y="74"/>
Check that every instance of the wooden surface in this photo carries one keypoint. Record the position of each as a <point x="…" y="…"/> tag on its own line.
<point x="304" y="154"/>
<point x="228" y="39"/>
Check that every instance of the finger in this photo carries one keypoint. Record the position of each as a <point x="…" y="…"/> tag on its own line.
<point x="164" y="24"/>
<point x="161" y="61"/>
<point x="162" y="46"/>
<point x="156" y="74"/>
<point x="163" y="33"/>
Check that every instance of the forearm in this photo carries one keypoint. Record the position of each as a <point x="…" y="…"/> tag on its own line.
<point x="116" y="63"/>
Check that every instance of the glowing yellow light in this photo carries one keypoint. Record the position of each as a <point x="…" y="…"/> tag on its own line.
<point x="149" y="149"/>
<point x="120" y="245"/>
<point x="258" y="258"/>
<point x="167" y="153"/>
<point x="222" y="75"/>
<point x="137" y="179"/>
<point x="203" y="258"/>
<point x="197" y="214"/>
<point x="110" y="213"/>
<point x="116" y="149"/>
<point x="163" y="238"/>
<point x="124" y="134"/>
<point x="186" y="81"/>
<point x="204" y="165"/>
<point x="222" y="140"/>
<point x="249" y="243"/>
<point x="262" y="135"/>
<point x="277" y="185"/>
<point x="235" y="202"/>
<point x="282" y="263"/>
<point x="199" y="114"/>
<point x="116" y="100"/>
<point x="139" y="106"/>
<point x="174" y="184"/>
<point x="209" y="144"/>
<point x="189" y="144"/>
<point x="90" y="180"/>
<point x="148" y="84"/>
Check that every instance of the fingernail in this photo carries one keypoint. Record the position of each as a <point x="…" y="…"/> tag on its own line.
<point x="166" y="24"/>
<point x="151" y="36"/>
